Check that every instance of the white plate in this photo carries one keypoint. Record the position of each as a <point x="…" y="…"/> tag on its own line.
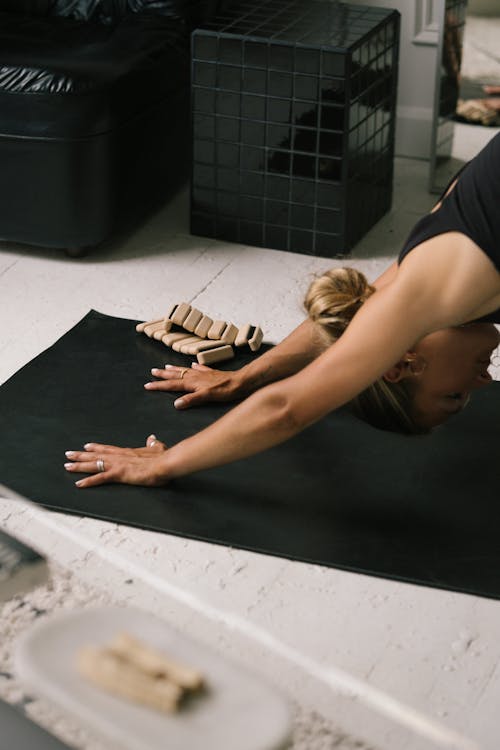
<point x="237" y="712"/>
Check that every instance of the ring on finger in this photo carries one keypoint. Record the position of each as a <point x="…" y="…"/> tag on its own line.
<point x="100" y="465"/>
<point x="183" y="372"/>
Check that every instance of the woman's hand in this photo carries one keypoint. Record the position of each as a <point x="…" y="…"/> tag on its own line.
<point x="199" y="384"/>
<point x="110" y="463"/>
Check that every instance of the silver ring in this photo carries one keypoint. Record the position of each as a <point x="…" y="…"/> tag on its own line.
<point x="100" y="465"/>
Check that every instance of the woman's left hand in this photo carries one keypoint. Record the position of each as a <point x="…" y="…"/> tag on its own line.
<point x="110" y="463"/>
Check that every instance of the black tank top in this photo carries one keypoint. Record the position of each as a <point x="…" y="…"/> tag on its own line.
<point x="472" y="208"/>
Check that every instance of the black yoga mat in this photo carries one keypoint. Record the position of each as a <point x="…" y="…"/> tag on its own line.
<point x="343" y="494"/>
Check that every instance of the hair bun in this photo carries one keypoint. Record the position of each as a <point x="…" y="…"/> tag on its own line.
<point x="334" y="298"/>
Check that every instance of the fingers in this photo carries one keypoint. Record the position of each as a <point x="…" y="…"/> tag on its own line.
<point x="192" y="399"/>
<point x="153" y="443"/>
<point x="203" y="368"/>
<point x="94" y="451"/>
<point x="94" y="480"/>
<point x="92" y="466"/>
<point x="81" y="456"/>
<point x="172" y="378"/>
<point x="163" y="385"/>
<point x="142" y="469"/>
<point x="101" y="448"/>
<point x="88" y="463"/>
<point x="198" y="384"/>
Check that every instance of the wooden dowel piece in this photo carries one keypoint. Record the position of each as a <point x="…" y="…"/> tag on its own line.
<point x="121" y="677"/>
<point x="178" y="345"/>
<point x="170" y="338"/>
<point x="229" y="334"/>
<point x="141" y="326"/>
<point x="187" y="348"/>
<point x="171" y="309"/>
<point x="154" y="662"/>
<point x="211" y="356"/>
<point x="255" y="341"/>
<point x="180" y="313"/>
<point x="244" y="334"/>
<point x="151" y="329"/>
<point x="203" y="327"/>
<point x="192" y="320"/>
<point x="158" y="335"/>
<point x="217" y="329"/>
<point x="202" y="346"/>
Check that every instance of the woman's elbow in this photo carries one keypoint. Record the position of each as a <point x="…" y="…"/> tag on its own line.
<point x="284" y="414"/>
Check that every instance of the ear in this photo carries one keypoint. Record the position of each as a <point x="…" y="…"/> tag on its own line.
<point x="397" y="372"/>
<point x="411" y="364"/>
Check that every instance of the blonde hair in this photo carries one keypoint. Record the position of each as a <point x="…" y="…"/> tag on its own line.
<point x="331" y="302"/>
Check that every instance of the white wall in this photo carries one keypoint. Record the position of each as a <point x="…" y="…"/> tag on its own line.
<point x="418" y="59"/>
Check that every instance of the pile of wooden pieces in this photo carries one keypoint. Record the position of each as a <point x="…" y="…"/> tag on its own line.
<point x="135" y="671"/>
<point x="185" y="329"/>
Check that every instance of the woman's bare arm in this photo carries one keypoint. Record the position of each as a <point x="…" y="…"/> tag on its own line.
<point x="292" y="354"/>
<point x="388" y="325"/>
<point x="421" y="298"/>
<point x="201" y="384"/>
<point x="277" y="411"/>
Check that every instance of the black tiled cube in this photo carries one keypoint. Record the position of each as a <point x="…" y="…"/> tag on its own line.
<point x="293" y="114"/>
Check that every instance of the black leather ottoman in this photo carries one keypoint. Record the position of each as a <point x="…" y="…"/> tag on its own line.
<point x="93" y="117"/>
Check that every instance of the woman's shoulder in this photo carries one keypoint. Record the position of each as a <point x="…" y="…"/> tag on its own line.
<point x="428" y="226"/>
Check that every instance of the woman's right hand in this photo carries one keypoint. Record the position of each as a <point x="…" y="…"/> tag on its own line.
<point x="199" y="384"/>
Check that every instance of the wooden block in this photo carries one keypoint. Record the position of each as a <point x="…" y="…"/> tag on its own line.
<point x="159" y="334"/>
<point x="203" y="327"/>
<point x="192" y="320"/>
<point x="191" y="347"/>
<point x="251" y="335"/>
<point x="171" y="310"/>
<point x="180" y="313"/>
<point x="177" y="346"/>
<point x="123" y="678"/>
<point x="230" y="333"/>
<point x="211" y="356"/>
<point x="244" y="334"/>
<point x="149" y="330"/>
<point x="171" y="338"/>
<point x="255" y="341"/>
<point x="217" y="329"/>
<point x="141" y="326"/>
<point x="155" y="663"/>
<point x="202" y="346"/>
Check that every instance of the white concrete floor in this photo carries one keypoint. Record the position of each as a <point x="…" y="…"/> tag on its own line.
<point x="401" y="666"/>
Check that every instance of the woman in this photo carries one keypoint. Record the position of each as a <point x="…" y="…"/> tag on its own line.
<point x="407" y="352"/>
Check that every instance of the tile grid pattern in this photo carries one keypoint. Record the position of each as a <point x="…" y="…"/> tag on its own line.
<point x="290" y="114"/>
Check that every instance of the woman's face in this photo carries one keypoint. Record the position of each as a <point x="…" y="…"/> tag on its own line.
<point x="455" y="362"/>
